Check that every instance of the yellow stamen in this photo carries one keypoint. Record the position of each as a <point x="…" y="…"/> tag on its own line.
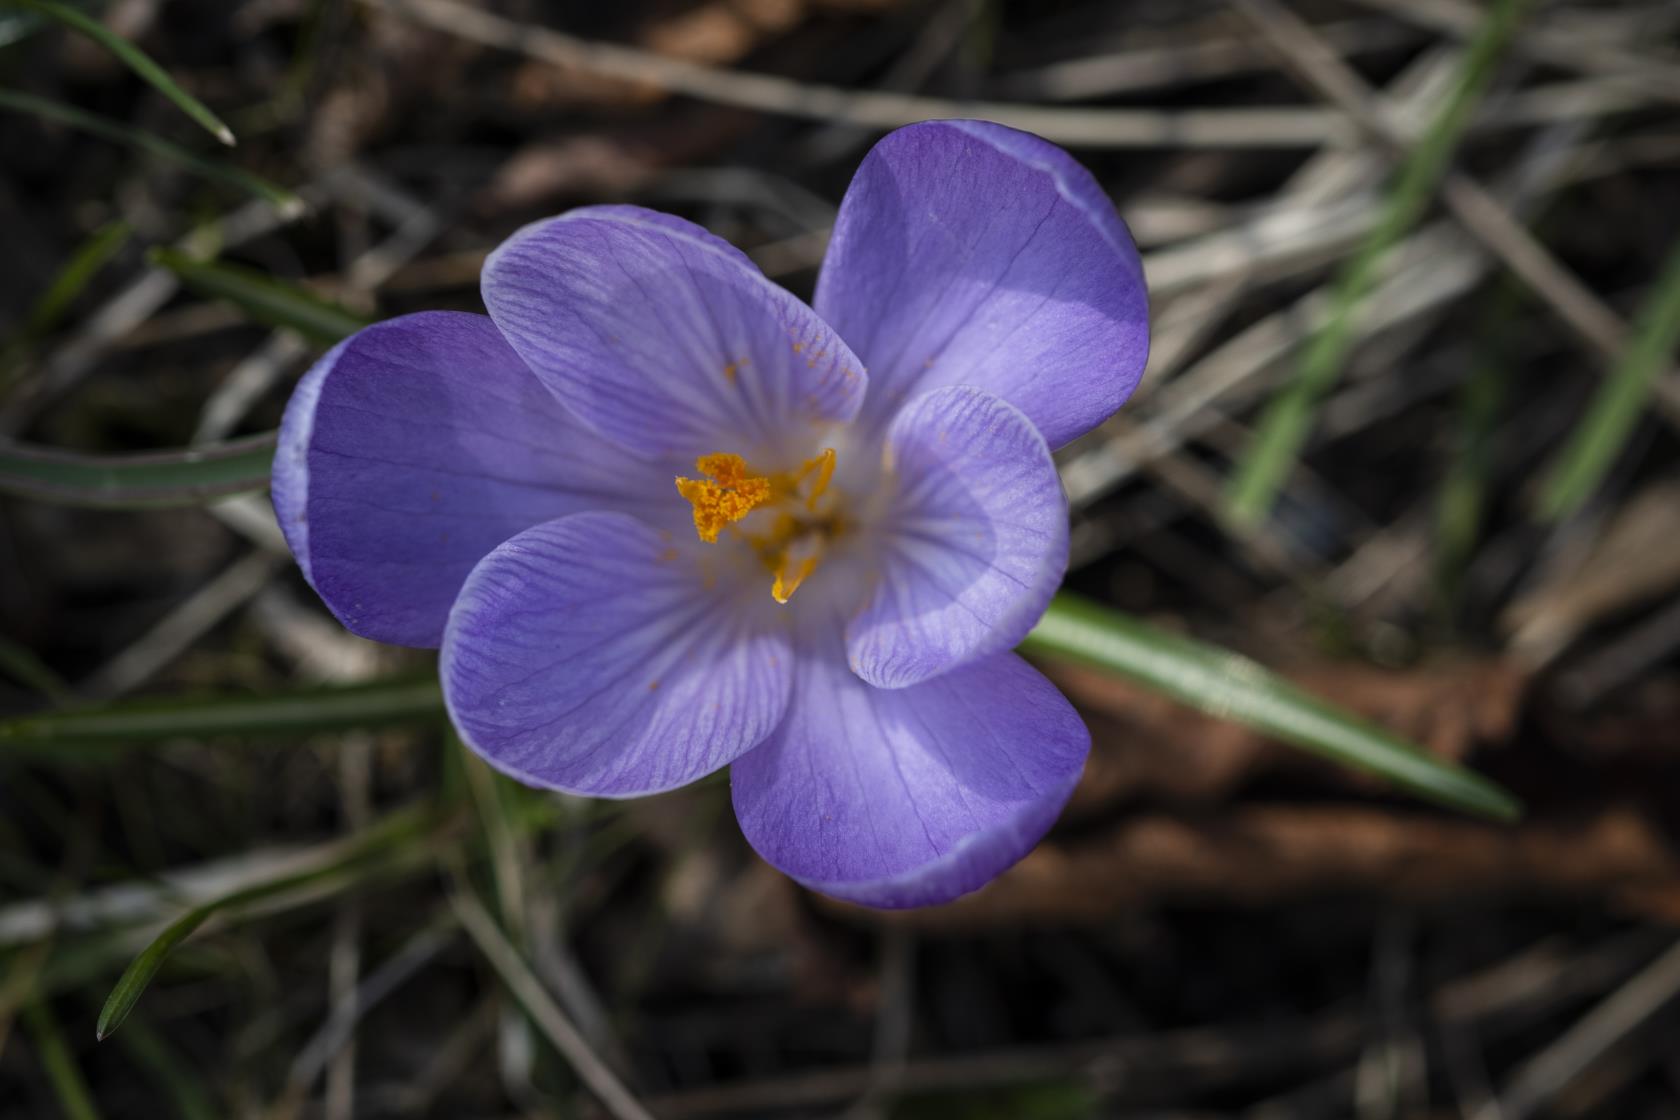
<point x="823" y="467"/>
<point x="731" y="493"/>
<point x="790" y="545"/>
<point x="794" y="566"/>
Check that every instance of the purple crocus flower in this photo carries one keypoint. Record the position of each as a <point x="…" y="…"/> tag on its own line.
<point x="660" y="519"/>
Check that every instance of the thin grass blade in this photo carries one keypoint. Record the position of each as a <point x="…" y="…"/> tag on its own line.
<point x="1461" y="502"/>
<point x="136" y="60"/>
<point x="283" y="200"/>
<point x="71" y="280"/>
<point x="19" y="662"/>
<point x="262" y="297"/>
<point x="1229" y="686"/>
<point x="86" y="263"/>
<point x="145" y="480"/>
<point x="400" y="832"/>
<point x="1291" y="413"/>
<point x="139" y="974"/>
<point x="75" y="1100"/>
<point x="1603" y="432"/>
<point x="302" y="711"/>
<point x="550" y="1019"/>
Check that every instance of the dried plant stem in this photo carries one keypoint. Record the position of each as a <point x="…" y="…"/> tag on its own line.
<point x="1467" y="200"/>
<point x="766" y="93"/>
<point x="1289" y="417"/>
<point x="554" y="1024"/>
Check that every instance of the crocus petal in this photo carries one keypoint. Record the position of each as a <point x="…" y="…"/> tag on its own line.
<point x="668" y="340"/>
<point x="967" y="252"/>
<point x="973" y="546"/>
<point x="597" y="655"/>
<point x="909" y="797"/>
<point x="416" y="446"/>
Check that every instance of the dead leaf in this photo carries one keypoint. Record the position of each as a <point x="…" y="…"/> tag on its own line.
<point x="1274" y="855"/>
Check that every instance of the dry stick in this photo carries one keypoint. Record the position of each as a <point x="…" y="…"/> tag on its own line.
<point x="1558" y="48"/>
<point x="1325" y="205"/>
<point x="941" y="34"/>
<point x="1279" y="240"/>
<point x="133" y="306"/>
<point x="247" y="383"/>
<point x="1647" y="642"/>
<point x="1543" y="1075"/>
<point x="1199" y="1056"/>
<point x="1334" y="178"/>
<point x="1202" y="59"/>
<point x="1468" y="201"/>
<point x="146" y="906"/>
<point x="893" y="1022"/>
<point x="530" y="993"/>
<point x="1289" y="417"/>
<point x="252" y="516"/>
<point x="338" y="1029"/>
<point x="765" y="93"/>
<point x="1537" y="980"/>
<point x="344" y="958"/>
<point x="183" y="626"/>
<point x="1088" y="128"/>
<point x="1430" y="269"/>
<point x="513" y="1030"/>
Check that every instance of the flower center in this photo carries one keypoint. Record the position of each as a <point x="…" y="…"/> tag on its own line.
<point x="795" y="512"/>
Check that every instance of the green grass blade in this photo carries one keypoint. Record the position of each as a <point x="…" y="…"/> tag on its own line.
<point x="1290" y="414"/>
<point x="144" y="480"/>
<point x="75" y="1102"/>
<point x="303" y="711"/>
<point x="20" y="664"/>
<point x="398" y="832"/>
<point x="262" y="297"/>
<point x="87" y="261"/>
<point x="71" y="280"/>
<point x="139" y="973"/>
<point x="284" y="200"/>
<point x="1603" y="432"/>
<point x="1461" y="502"/>
<point x="1232" y="687"/>
<point x="136" y="60"/>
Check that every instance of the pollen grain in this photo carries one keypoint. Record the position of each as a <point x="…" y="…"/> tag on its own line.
<point x="728" y="493"/>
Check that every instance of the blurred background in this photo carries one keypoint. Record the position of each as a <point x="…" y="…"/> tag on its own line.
<point x="1436" y="236"/>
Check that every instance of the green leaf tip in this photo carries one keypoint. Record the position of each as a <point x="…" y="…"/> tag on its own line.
<point x="136" y="60"/>
<point x="262" y="297"/>
<point x="1598" y="439"/>
<point x="1232" y="687"/>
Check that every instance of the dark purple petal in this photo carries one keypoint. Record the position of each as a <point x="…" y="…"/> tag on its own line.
<point x="668" y="340"/>
<point x="974" y="543"/>
<point x="969" y="253"/>
<point x="909" y="797"/>
<point x="597" y="655"/>
<point x="416" y="446"/>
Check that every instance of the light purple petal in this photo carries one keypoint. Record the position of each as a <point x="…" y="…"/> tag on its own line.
<point x="970" y="253"/>
<point x="668" y="340"/>
<point x="416" y="446"/>
<point x="597" y="655"/>
<point x="910" y="797"/>
<point x="974" y="543"/>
